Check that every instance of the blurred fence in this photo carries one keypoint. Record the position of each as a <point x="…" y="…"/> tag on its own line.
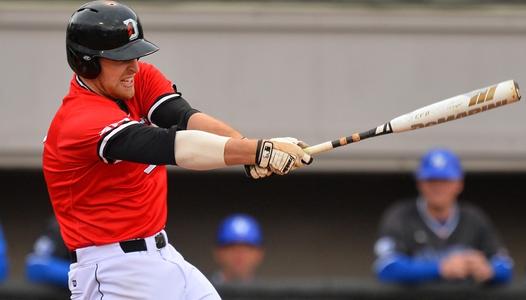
<point x="367" y="290"/>
<point x="325" y="290"/>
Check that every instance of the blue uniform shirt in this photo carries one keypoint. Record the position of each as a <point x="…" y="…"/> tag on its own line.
<point x="412" y="244"/>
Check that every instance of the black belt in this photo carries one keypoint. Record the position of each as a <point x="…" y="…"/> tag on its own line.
<point x="132" y="246"/>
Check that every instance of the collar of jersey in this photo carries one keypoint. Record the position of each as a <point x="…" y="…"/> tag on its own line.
<point x="82" y="84"/>
<point x="442" y="230"/>
<point x="122" y="105"/>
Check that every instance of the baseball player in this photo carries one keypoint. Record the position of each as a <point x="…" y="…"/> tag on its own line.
<point x="239" y="249"/>
<point x="49" y="262"/>
<point x="104" y="158"/>
<point x="436" y="238"/>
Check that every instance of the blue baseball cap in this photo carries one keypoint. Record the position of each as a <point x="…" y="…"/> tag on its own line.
<point x="440" y="164"/>
<point x="239" y="229"/>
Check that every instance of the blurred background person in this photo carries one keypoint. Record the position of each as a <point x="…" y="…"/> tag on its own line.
<point x="239" y="249"/>
<point x="436" y="238"/>
<point x="49" y="262"/>
<point x="4" y="265"/>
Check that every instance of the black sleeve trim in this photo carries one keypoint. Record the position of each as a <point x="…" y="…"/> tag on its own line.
<point x="143" y="144"/>
<point x="108" y="135"/>
<point x="171" y="110"/>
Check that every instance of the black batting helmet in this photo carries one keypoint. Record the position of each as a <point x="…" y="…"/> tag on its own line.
<point x="104" y="29"/>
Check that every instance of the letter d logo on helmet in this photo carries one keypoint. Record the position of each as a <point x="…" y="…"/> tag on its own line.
<point x="105" y="29"/>
<point x="131" y="25"/>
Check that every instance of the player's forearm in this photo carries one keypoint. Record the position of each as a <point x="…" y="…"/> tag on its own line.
<point x="192" y="149"/>
<point x="198" y="150"/>
<point x="204" y="122"/>
<point x="404" y="269"/>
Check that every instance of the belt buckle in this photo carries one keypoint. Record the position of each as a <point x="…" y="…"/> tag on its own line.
<point x="160" y="241"/>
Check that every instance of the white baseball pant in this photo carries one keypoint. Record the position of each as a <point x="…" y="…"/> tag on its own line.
<point x="107" y="273"/>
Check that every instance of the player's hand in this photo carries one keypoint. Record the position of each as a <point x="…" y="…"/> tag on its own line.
<point x="479" y="266"/>
<point x="454" y="267"/>
<point x="294" y="141"/>
<point x="281" y="156"/>
<point x="257" y="172"/>
<point x="291" y="140"/>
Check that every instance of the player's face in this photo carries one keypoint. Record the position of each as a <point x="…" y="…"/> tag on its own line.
<point x="239" y="262"/>
<point x="440" y="194"/>
<point x="116" y="79"/>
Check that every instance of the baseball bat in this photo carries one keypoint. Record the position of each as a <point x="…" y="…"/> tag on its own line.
<point x="450" y="109"/>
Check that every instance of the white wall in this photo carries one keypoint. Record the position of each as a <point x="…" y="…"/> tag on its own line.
<point x="312" y="72"/>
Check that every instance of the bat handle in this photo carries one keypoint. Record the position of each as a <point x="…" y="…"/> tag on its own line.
<point x="319" y="148"/>
<point x="356" y="137"/>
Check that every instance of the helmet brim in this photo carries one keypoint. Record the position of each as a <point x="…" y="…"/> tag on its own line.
<point x="135" y="49"/>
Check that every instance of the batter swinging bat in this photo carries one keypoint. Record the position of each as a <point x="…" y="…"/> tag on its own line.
<point x="440" y="112"/>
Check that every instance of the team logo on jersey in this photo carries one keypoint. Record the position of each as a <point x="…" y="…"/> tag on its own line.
<point x="113" y="126"/>
<point x="131" y="27"/>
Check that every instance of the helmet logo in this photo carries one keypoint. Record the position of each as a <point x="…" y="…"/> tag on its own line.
<point x="438" y="161"/>
<point x="241" y="226"/>
<point x="131" y="27"/>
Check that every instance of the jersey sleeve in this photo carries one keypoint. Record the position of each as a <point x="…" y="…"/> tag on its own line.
<point x="394" y="262"/>
<point x="153" y="89"/>
<point x="391" y="233"/>
<point x="84" y="136"/>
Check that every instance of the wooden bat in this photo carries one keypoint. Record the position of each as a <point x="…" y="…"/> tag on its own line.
<point x="450" y="109"/>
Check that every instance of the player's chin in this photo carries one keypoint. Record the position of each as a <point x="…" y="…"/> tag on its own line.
<point x="125" y="93"/>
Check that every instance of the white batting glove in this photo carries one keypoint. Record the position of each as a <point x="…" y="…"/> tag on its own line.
<point x="291" y="140"/>
<point x="257" y="172"/>
<point x="281" y="155"/>
<point x="294" y="141"/>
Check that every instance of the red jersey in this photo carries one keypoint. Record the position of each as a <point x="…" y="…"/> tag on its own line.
<point x="98" y="201"/>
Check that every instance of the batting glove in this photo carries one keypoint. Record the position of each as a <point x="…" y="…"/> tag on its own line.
<point x="291" y="140"/>
<point x="257" y="172"/>
<point x="281" y="156"/>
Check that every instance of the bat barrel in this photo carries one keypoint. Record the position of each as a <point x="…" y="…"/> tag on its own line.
<point x="459" y="106"/>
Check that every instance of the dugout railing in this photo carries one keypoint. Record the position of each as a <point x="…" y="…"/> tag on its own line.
<point x="346" y="289"/>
